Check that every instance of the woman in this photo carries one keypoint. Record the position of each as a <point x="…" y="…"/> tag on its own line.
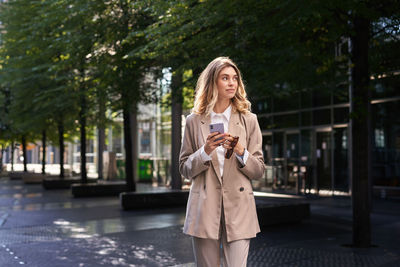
<point x="221" y="207"/>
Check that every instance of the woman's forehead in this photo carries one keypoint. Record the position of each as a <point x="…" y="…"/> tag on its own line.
<point x="228" y="70"/>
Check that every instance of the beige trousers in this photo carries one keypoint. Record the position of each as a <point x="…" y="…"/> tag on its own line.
<point x="207" y="252"/>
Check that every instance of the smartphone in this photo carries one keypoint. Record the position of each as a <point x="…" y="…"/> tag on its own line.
<point x="217" y="127"/>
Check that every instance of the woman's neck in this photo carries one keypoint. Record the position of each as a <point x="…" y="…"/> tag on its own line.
<point x="221" y="105"/>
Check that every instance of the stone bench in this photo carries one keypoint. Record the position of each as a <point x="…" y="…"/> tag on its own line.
<point x="268" y="213"/>
<point x="101" y="188"/>
<point x="62" y="183"/>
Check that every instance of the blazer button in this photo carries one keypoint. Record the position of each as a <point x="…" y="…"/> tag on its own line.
<point x="241" y="189"/>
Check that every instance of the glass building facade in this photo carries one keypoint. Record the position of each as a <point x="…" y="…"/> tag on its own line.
<point x="306" y="139"/>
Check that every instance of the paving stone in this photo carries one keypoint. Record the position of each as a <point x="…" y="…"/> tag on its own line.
<point x="42" y="228"/>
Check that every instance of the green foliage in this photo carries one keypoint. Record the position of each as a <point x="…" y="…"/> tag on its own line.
<point x="39" y="97"/>
<point x="62" y="57"/>
<point x="294" y="45"/>
<point x="110" y="53"/>
<point x="187" y="93"/>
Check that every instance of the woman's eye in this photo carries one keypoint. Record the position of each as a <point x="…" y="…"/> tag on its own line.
<point x="224" y="78"/>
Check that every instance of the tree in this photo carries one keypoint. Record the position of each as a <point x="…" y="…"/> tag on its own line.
<point x="71" y="57"/>
<point x="284" y="47"/>
<point x="167" y="45"/>
<point x="40" y="100"/>
<point x="127" y="76"/>
<point x="81" y="26"/>
<point x="332" y="22"/>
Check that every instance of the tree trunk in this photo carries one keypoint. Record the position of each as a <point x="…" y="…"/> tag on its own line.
<point x="176" y="135"/>
<point x="12" y="156"/>
<point x="61" y="143"/>
<point x="1" y="158"/>
<point x="82" y="122"/>
<point x="128" y="145"/>
<point x="101" y="145"/>
<point x="134" y="138"/>
<point x="24" y="153"/>
<point x="360" y="113"/>
<point x="101" y="131"/>
<point x="44" y="152"/>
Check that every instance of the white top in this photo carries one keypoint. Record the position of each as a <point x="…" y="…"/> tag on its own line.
<point x="222" y="118"/>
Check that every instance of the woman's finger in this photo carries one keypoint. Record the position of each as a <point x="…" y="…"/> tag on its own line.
<point x="211" y="135"/>
<point x="216" y="137"/>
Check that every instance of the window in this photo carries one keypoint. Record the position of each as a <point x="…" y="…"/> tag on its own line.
<point x="306" y="99"/>
<point x="287" y="102"/>
<point x="341" y="94"/>
<point x="145" y="142"/>
<point x="341" y="115"/>
<point x="287" y="120"/>
<point x="321" y="117"/>
<point x="385" y="87"/>
<point x="321" y="97"/>
<point x="379" y="138"/>
<point x="265" y="122"/>
<point x="306" y="118"/>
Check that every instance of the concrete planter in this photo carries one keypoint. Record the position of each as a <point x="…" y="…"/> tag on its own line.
<point x="15" y="175"/>
<point x="268" y="213"/>
<point x="34" y="178"/>
<point x="50" y="183"/>
<point x="146" y="200"/>
<point x="101" y="188"/>
<point x="271" y="214"/>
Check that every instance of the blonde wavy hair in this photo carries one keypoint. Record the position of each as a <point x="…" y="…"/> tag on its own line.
<point x="207" y="92"/>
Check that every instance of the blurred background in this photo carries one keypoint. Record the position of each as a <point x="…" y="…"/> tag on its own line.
<point x="101" y="88"/>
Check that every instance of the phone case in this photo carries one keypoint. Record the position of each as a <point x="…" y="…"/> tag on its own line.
<point x="217" y="127"/>
<point x="229" y="152"/>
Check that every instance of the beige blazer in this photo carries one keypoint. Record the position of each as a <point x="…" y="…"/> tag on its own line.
<point x="209" y="189"/>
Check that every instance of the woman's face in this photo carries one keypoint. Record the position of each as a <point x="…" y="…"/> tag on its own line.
<point x="227" y="83"/>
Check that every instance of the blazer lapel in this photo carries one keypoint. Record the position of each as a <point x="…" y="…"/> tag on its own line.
<point x="205" y="128"/>
<point x="235" y="129"/>
<point x="205" y="131"/>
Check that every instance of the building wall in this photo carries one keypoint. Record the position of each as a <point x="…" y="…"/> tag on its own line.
<point x="305" y="139"/>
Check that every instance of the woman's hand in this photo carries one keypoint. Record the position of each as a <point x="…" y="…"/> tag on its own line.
<point x="238" y="149"/>
<point x="212" y="142"/>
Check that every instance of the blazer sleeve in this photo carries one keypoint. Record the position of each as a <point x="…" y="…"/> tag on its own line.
<point x="190" y="161"/>
<point x="255" y="167"/>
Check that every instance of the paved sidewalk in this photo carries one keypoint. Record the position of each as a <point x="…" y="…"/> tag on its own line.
<point x="42" y="228"/>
